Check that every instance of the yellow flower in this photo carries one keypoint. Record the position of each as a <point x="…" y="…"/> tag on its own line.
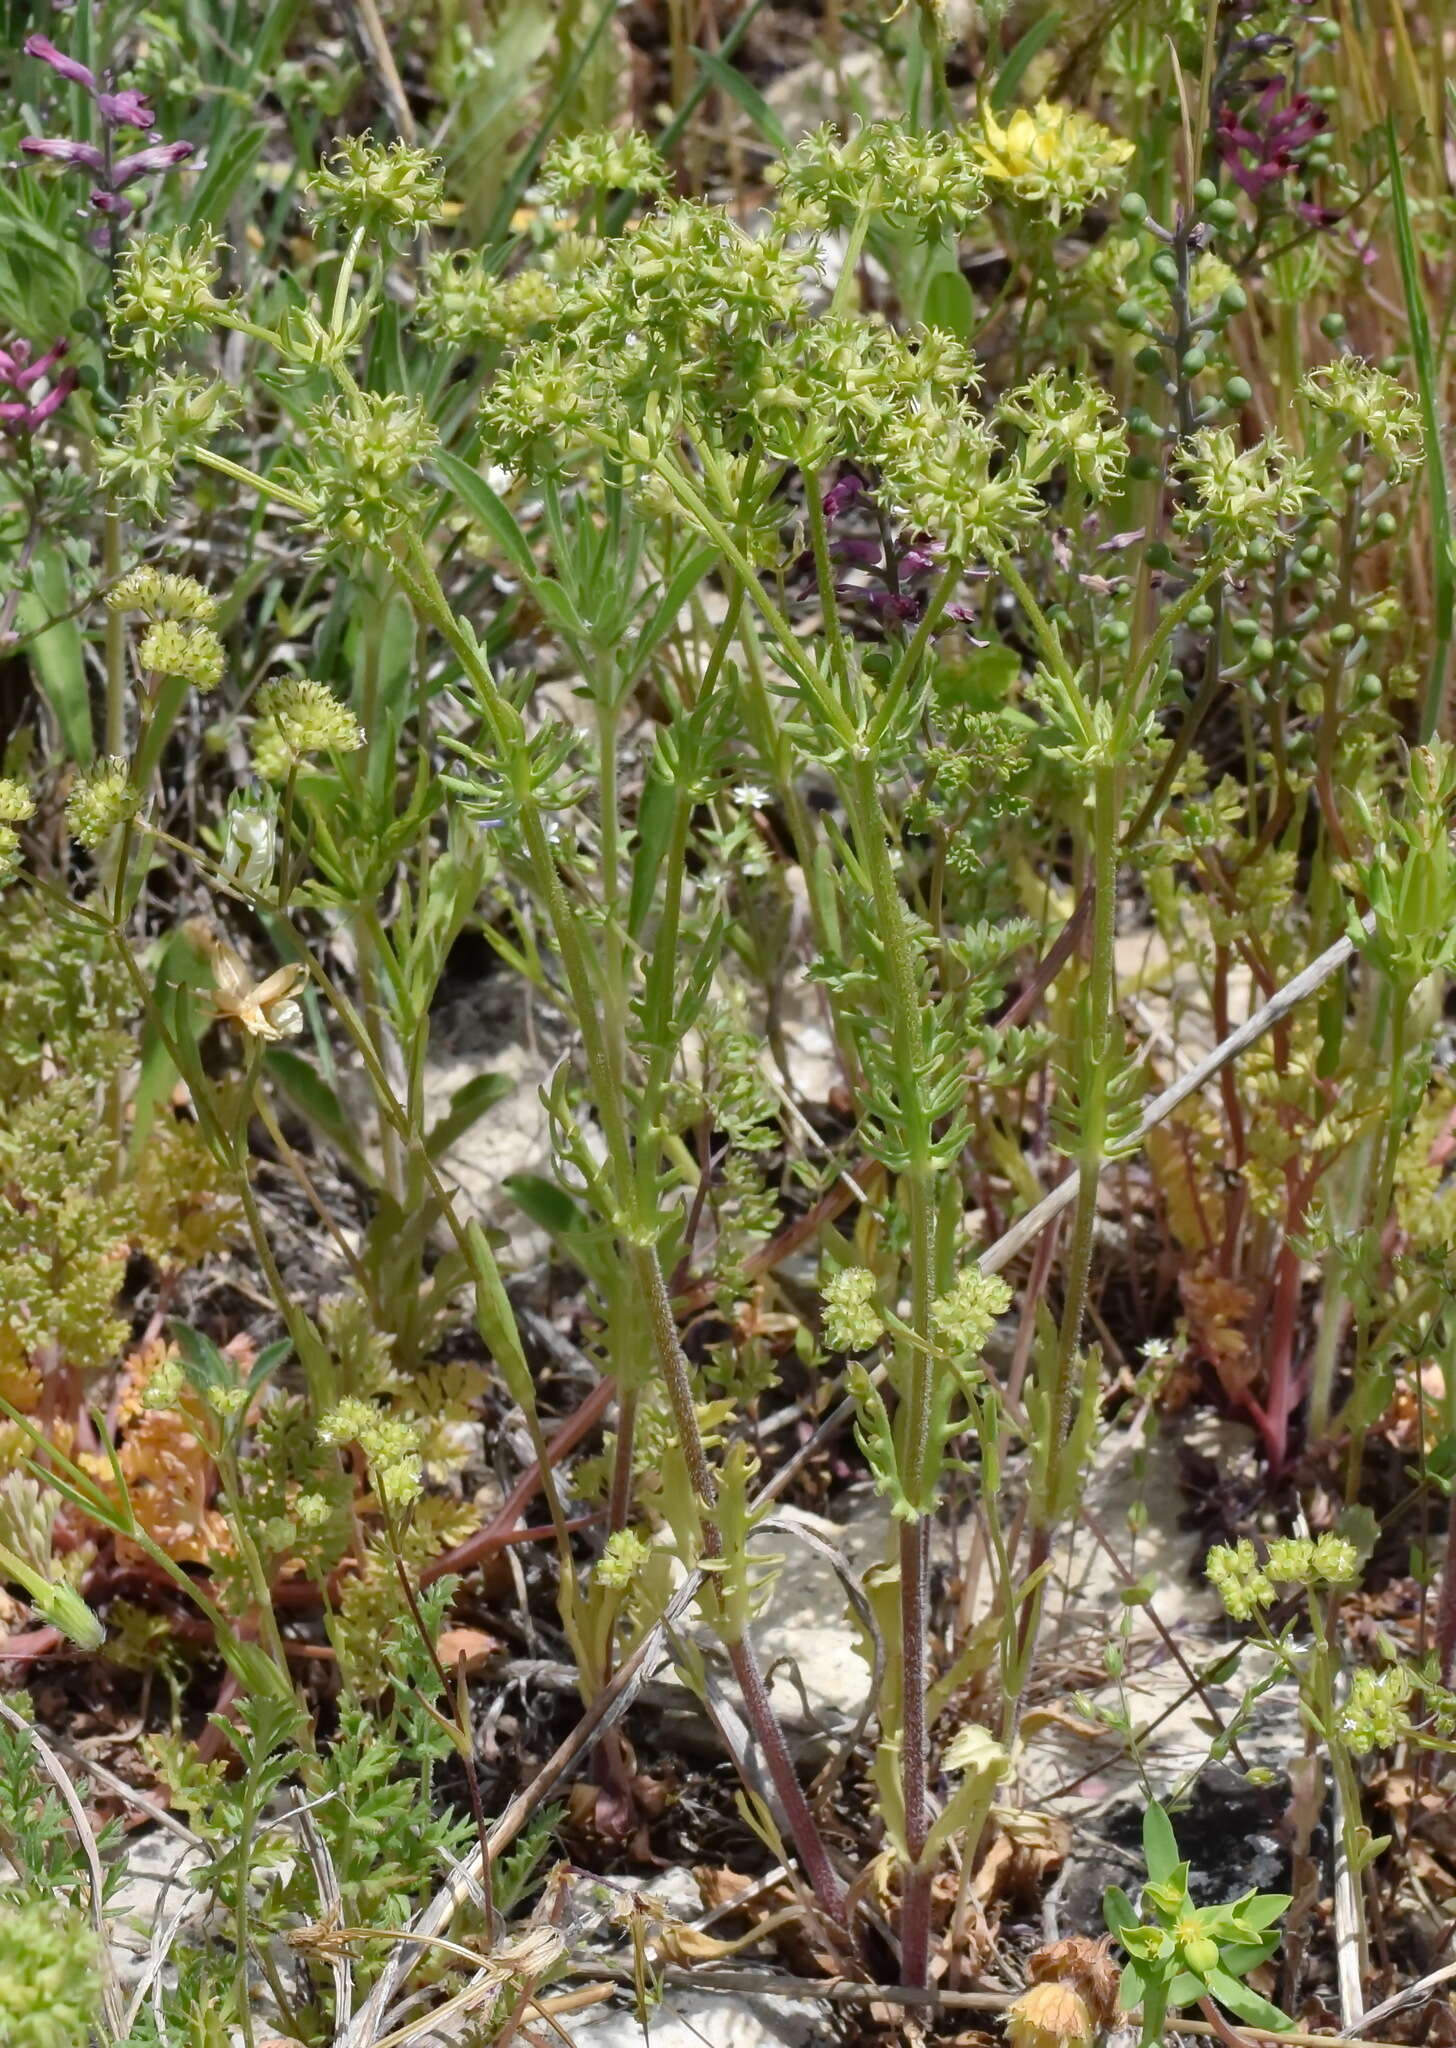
<point x="264" y="1009"/>
<point x="1049" y="2016"/>
<point x="1050" y="156"/>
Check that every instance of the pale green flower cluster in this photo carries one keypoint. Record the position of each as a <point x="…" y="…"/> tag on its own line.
<point x="165" y="285"/>
<point x="155" y="594"/>
<point x="1366" y="400"/>
<point x="623" y="1559"/>
<point x="465" y="303"/>
<point x="932" y="183"/>
<point x="364" y="452"/>
<point x="298" y="716"/>
<point x="102" y="798"/>
<point x="50" y="1976"/>
<point x="1376" y="1713"/>
<point x="190" y="654"/>
<point x="16" y="805"/>
<point x="155" y="429"/>
<point x="1069" y="424"/>
<point x="1242" y="495"/>
<point x="967" y="1315"/>
<point x="389" y="1442"/>
<point x="387" y="192"/>
<point x="1234" y="1573"/>
<point x="1244" y="1585"/>
<point x="607" y="160"/>
<point x="852" y="1320"/>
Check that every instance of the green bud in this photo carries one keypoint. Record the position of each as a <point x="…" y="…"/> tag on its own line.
<point x="1332" y="326"/>
<point x="1222" y="213"/>
<point x="1384" y="525"/>
<point x="1115" y="633"/>
<point x="1233" y="298"/>
<point x="1369" y="689"/>
<point x="1131" y="315"/>
<point x="1194" y="361"/>
<point x="1204" y="192"/>
<point x="1133" y="207"/>
<point x="1238" y="391"/>
<point x="1342" y="634"/>
<point x="1150" y="361"/>
<point x="1352" y="475"/>
<point x="1261" y="649"/>
<point x="1164" y="267"/>
<point x="1259" y="550"/>
<point x="1245" y="629"/>
<point x="1201" y="615"/>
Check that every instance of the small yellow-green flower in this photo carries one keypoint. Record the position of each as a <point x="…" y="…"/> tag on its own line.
<point x="299" y="716"/>
<point x="623" y="1560"/>
<point x="386" y="192"/>
<point x="852" y="1320"/>
<point x="103" y="798"/>
<point x="191" y="654"/>
<point x="16" y="805"/>
<point x="1050" y="156"/>
<point x="157" y="594"/>
<point x="967" y="1315"/>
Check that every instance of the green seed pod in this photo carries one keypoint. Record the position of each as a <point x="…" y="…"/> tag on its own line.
<point x="1245" y="629"/>
<point x="1222" y="212"/>
<point x="1369" y="689"/>
<point x="1233" y="298"/>
<point x="1204" y="192"/>
<point x="1165" y="268"/>
<point x="1201" y="615"/>
<point x="1150" y="361"/>
<point x="1352" y="475"/>
<point x="1238" y="391"/>
<point x="1261" y="649"/>
<point x="1194" y="361"/>
<point x="1332" y="326"/>
<point x="1131" y="315"/>
<point x="1133" y="207"/>
<point x="1342" y="634"/>
<point x="1385" y="524"/>
<point x="1142" y="470"/>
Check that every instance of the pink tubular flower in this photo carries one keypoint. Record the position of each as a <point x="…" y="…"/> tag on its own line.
<point x="79" y="154"/>
<point x="67" y="67"/>
<point x="125" y="109"/>
<point x="161" y="156"/>
<point x="18" y="373"/>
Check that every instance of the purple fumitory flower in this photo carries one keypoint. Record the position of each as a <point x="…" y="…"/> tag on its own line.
<point x="1258" y="142"/>
<point x="902" y="566"/>
<point x="26" y="410"/>
<point x="115" y="110"/>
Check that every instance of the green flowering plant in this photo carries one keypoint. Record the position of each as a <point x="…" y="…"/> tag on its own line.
<point x="1181" y="1955"/>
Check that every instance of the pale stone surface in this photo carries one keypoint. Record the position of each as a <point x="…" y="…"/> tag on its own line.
<point x="699" y="2020"/>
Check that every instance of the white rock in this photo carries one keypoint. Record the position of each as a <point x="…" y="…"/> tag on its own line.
<point x="695" y="2019"/>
